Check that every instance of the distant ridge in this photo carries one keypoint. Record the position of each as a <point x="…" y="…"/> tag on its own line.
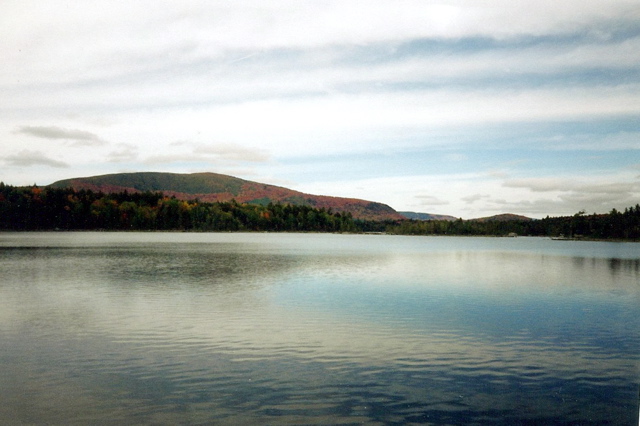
<point x="426" y="216"/>
<point x="507" y="217"/>
<point x="213" y="187"/>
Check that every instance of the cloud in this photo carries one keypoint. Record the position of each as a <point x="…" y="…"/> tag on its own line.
<point x="473" y="198"/>
<point x="615" y="141"/>
<point x="430" y="200"/>
<point x="456" y="157"/>
<point x="125" y="153"/>
<point x="215" y="153"/>
<point x="341" y="123"/>
<point x="574" y="184"/>
<point x="564" y="206"/>
<point x="571" y="194"/>
<point x="232" y="152"/>
<point x="471" y="195"/>
<point x="205" y="51"/>
<point x="79" y="137"/>
<point x="357" y="90"/>
<point x="26" y="158"/>
<point x="278" y="24"/>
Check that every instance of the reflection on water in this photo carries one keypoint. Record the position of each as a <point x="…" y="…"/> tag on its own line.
<point x="316" y="329"/>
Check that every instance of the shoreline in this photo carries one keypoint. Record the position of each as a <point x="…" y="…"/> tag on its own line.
<point x="168" y="231"/>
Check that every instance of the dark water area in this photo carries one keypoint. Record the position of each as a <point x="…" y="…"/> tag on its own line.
<point x="180" y="328"/>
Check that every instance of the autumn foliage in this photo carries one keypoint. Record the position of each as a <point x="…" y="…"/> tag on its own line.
<point x="33" y="208"/>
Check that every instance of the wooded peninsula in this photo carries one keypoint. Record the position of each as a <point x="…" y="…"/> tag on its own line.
<point x="65" y="209"/>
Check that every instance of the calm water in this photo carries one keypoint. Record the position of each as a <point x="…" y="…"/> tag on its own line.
<point x="173" y="328"/>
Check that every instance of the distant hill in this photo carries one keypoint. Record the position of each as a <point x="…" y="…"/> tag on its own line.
<point x="426" y="216"/>
<point x="212" y="187"/>
<point x="507" y="217"/>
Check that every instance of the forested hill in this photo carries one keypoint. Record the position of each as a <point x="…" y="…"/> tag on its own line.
<point x="213" y="187"/>
<point x="42" y="209"/>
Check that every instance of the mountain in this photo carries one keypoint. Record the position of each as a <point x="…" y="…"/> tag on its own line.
<point x="426" y="216"/>
<point x="507" y="217"/>
<point x="212" y="187"/>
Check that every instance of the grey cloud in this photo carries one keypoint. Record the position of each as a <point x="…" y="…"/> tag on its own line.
<point x="28" y="158"/>
<point x="79" y="137"/>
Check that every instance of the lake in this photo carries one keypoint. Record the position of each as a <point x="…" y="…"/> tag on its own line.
<point x="240" y="328"/>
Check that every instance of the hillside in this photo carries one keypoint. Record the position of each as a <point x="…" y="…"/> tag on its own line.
<point x="212" y="187"/>
<point x="426" y="216"/>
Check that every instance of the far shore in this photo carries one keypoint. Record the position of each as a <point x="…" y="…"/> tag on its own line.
<point x="176" y="231"/>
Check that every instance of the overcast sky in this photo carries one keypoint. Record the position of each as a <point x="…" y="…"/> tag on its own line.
<point x="467" y="108"/>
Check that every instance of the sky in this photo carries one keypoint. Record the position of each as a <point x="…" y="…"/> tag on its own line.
<point x="468" y="108"/>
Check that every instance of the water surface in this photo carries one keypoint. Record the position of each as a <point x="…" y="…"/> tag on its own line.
<point x="181" y="328"/>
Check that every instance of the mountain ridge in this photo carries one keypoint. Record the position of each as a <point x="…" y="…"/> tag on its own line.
<point x="213" y="187"/>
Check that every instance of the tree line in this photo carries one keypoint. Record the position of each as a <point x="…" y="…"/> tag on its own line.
<point x="614" y="225"/>
<point x="34" y="208"/>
